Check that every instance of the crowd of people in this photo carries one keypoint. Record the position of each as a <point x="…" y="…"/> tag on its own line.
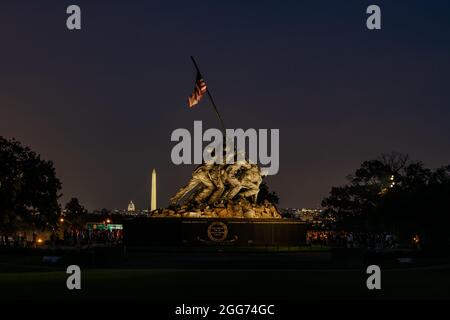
<point x="89" y="236"/>
<point x="352" y="239"/>
<point x="342" y="239"/>
<point x="70" y="237"/>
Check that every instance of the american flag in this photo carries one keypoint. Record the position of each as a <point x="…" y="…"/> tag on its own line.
<point x="199" y="91"/>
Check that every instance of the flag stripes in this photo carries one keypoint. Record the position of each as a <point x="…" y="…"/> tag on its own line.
<point x="199" y="91"/>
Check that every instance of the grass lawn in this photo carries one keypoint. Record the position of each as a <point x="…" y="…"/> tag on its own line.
<point x="226" y="284"/>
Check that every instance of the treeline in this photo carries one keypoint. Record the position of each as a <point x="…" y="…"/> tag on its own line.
<point x="393" y="193"/>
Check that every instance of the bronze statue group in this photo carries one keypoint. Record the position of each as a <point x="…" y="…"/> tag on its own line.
<point x="213" y="183"/>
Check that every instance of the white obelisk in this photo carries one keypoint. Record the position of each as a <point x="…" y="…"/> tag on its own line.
<point x="153" y="192"/>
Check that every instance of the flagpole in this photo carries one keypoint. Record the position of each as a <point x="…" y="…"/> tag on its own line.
<point x="211" y="98"/>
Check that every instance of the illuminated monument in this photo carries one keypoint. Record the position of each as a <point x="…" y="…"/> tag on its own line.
<point x="153" y="192"/>
<point x="131" y="207"/>
<point x="221" y="191"/>
<point x="218" y="206"/>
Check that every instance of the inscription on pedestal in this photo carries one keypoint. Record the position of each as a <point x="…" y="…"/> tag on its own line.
<point x="217" y="231"/>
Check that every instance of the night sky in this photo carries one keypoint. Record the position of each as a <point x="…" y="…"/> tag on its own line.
<point x="102" y="102"/>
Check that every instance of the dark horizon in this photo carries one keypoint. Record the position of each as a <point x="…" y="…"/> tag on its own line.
<point x="102" y="102"/>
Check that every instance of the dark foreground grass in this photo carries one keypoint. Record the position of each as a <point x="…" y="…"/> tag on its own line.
<point x="226" y="284"/>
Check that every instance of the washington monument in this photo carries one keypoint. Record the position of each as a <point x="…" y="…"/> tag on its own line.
<point x="153" y="192"/>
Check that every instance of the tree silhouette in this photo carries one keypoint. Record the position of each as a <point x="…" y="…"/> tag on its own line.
<point x="75" y="213"/>
<point x="29" y="189"/>
<point x="395" y="194"/>
<point x="265" y="194"/>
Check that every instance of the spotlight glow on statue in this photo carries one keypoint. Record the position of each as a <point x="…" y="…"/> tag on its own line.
<point x="221" y="190"/>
